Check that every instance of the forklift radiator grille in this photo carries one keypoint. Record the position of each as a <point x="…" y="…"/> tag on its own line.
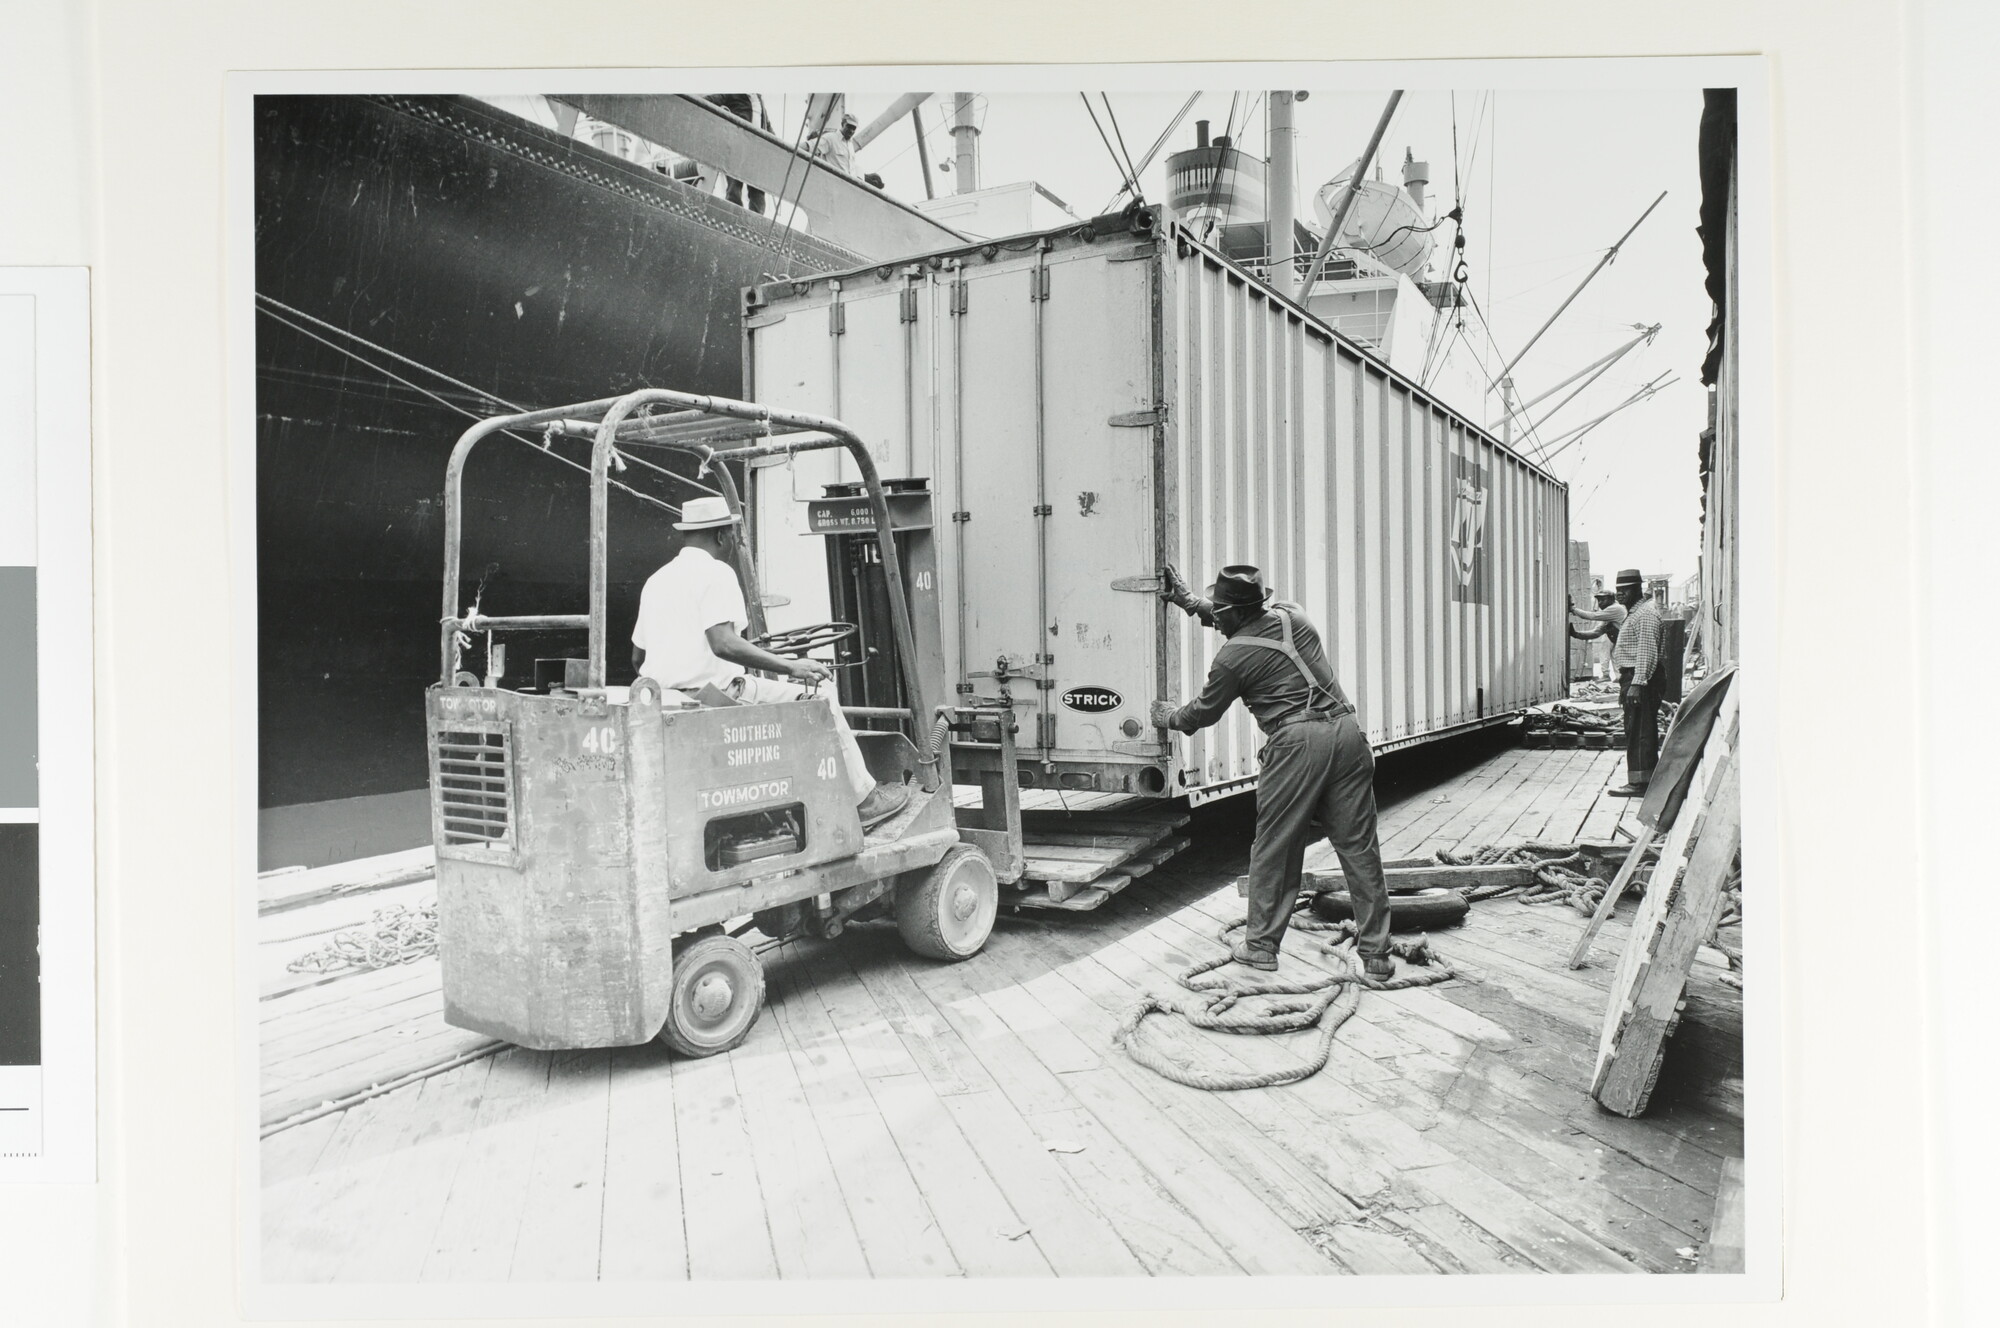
<point x="475" y="782"/>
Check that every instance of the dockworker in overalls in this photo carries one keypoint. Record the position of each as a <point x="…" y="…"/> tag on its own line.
<point x="1317" y="765"/>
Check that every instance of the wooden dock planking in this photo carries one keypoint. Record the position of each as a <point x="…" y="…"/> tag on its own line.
<point x="812" y="1232"/>
<point x="985" y="1234"/>
<point x="306" y="1233"/>
<point x="644" y="1232"/>
<point x="563" y="1209"/>
<point x="1165" y="1236"/>
<point x="894" y="1117"/>
<point x="725" y="1210"/>
<point x="1724" y="1251"/>
<point x="899" y="1234"/>
<point x="1521" y="1224"/>
<point x="1078" y="1238"/>
<point x="407" y="1199"/>
<point x="484" y="1208"/>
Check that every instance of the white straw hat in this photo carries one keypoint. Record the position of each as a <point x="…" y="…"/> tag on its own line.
<point x="705" y="514"/>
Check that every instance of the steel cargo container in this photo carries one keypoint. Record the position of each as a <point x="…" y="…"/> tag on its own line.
<point x="1089" y="403"/>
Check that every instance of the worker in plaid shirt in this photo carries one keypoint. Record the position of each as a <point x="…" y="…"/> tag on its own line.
<point x="1636" y="658"/>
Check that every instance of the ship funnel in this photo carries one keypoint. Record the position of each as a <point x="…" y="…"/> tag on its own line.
<point x="1201" y="133"/>
<point x="1416" y="177"/>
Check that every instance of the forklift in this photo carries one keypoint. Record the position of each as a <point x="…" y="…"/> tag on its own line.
<point x="602" y="850"/>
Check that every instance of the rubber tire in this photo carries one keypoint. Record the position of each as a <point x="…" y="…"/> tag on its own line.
<point x="686" y="1031"/>
<point x="1425" y="910"/>
<point x="922" y="899"/>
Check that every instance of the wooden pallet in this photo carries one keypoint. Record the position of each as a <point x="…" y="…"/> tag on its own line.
<point x="1675" y="918"/>
<point x="1075" y="862"/>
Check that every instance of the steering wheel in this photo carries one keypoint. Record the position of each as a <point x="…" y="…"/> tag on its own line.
<point x="798" y="641"/>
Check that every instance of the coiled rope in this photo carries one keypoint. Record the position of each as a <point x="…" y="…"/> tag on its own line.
<point x="1557" y="880"/>
<point x="394" y="935"/>
<point x="1331" y="1001"/>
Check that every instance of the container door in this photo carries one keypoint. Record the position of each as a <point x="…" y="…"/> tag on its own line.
<point x="1098" y="357"/>
<point x="792" y="351"/>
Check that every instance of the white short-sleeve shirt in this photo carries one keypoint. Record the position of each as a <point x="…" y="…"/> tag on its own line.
<point x="679" y="604"/>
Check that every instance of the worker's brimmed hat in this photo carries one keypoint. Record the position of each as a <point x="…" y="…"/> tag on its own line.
<point x="705" y="514"/>
<point x="1631" y="576"/>
<point x="1239" y="586"/>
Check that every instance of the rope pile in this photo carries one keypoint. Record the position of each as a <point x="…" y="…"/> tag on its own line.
<point x="1557" y="880"/>
<point x="1562" y="715"/>
<point x="1222" y="1008"/>
<point x="395" y="935"/>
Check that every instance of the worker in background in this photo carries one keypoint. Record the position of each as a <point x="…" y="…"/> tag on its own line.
<point x="690" y="636"/>
<point x="835" y="145"/>
<point x="1636" y="658"/>
<point x="1608" y="614"/>
<point x="750" y="109"/>
<point x="1316" y="765"/>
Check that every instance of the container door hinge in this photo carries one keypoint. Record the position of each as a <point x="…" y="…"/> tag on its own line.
<point x="1045" y="509"/>
<point x="836" y="319"/>
<point x="1038" y="283"/>
<point x="1139" y="419"/>
<point x="961" y="516"/>
<point x="1045" y="731"/>
<point x="908" y="313"/>
<point x="961" y="296"/>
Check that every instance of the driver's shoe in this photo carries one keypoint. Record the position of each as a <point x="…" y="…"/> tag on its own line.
<point x="882" y="802"/>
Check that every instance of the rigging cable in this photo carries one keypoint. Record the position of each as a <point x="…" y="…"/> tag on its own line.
<point x="277" y="310"/>
<point x="1103" y="138"/>
<point x="1158" y="143"/>
<point x="1138" y="190"/>
<point x="798" y="155"/>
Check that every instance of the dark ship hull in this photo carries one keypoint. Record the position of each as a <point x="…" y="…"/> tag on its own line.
<point x="475" y="245"/>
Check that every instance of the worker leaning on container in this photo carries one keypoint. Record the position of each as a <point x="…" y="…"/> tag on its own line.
<point x="1316" y="764"/>
<point x="690" y="636"/>
<point x="1637" y="660"/>
<point x="1608" y="615"/>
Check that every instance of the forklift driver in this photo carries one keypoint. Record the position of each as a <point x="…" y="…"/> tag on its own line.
<point x="689" y="635"/>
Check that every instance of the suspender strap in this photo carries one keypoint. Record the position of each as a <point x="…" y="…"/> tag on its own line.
<point x="1318" y="686"/>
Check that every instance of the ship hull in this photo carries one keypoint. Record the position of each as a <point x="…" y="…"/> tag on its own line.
<point x="404" y="242"/>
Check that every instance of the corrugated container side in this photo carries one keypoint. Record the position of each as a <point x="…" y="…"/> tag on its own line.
<point x="1132" y="399"/>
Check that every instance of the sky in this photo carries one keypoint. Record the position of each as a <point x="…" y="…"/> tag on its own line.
<point x="1549" y="181"/>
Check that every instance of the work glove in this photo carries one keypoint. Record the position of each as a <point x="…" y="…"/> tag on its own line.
<point x="1160" y="712"/>
<point x="1174" y="590"/>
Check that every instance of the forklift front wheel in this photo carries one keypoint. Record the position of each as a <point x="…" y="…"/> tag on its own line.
<point x="717" y="990"/>
<point x="947" y="912"/>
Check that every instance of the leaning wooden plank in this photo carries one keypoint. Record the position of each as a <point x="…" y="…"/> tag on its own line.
<point x="1638" y="1033"/>
<point x="1619" y="883"/>
<point x="1651" y="913"/>
<point x="1725" y="1230"/>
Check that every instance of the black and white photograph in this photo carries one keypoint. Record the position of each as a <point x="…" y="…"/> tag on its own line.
<point x="1117" y="678"/>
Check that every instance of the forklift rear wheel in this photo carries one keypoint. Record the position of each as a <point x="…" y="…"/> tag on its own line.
<point x="717" y="990"/>
<point x="948" y="911"/>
